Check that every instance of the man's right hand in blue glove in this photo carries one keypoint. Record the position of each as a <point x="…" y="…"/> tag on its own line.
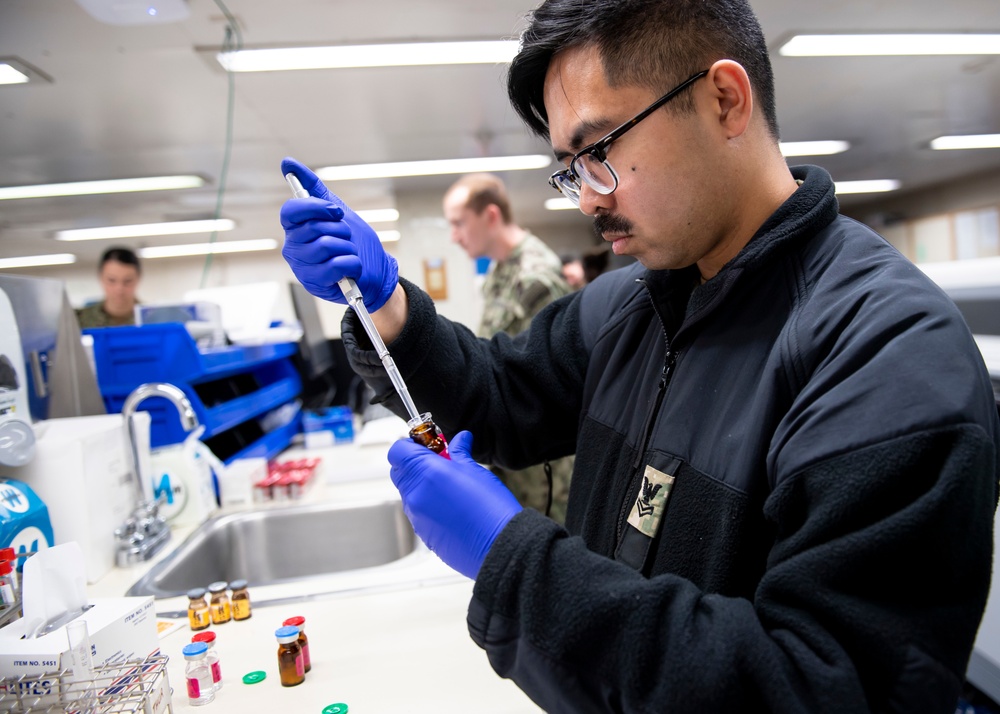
<point x="325" y="241"/>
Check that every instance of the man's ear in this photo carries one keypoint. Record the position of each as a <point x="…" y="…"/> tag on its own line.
<point x="732" y="97"/>
<point x="493" y="214"/>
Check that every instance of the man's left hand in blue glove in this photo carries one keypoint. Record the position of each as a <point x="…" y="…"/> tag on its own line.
<point x="457" y="507"/>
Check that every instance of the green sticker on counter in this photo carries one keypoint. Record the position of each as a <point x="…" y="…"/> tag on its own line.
<point x="254" y="677"/>
<point x="339" y="708"/>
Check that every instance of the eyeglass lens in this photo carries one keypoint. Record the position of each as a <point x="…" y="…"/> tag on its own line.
<point x="596" y="174"/>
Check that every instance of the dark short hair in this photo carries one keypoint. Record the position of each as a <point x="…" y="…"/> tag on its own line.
<point x="485" y="190"/>
<point x="125" y="256"/>
<point x="645" y="43"/>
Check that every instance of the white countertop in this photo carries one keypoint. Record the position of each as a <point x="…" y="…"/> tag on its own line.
<point x="387" y="639"/>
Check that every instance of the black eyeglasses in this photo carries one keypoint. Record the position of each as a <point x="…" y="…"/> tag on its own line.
<point x="590" y="164"/>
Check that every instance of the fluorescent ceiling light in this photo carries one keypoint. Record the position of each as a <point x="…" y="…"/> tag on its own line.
<point x="434" y="167"/>
<point x="969" y="141"/>
<point x="559" y="204"/>
<point x="388" y="55"/>
<point x="379" y="215"/>
<point x="894" y="44"/>
<point x="9" y="75"/>
<point x="231" y="246"/>
<point x="29" y="261"/>
<point x="138" y="230"/>
<point x="875" y="186"/>
<point x="813" y="148"/>
<point x="387" y="236"/>
<point x="84" y="188"/>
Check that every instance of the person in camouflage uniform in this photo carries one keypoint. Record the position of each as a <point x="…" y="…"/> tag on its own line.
<point x="119" y="272"/>
<point x="524" y="276"/>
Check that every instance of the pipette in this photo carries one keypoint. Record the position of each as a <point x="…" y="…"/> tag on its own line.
<point x="356" y="301"/>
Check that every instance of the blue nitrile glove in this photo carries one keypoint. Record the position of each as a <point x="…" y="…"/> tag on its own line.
<point x="326" y="241"/>
<point x="457" y="507"/>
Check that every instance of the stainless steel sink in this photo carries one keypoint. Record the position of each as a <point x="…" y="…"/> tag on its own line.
<point x="278" y="545"/>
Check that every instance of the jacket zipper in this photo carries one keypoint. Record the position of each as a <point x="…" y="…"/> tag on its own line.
<point x="669" y="360"/>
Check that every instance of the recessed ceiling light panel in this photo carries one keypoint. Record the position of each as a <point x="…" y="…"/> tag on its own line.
<point x="967" y="141"/>
<point x="873" y="186"/>
<point x="349" y="56"/>
<point x="31" y="261"/>
<point x="86" y="188"/>
<point x="813" y="148"/>
<point x="434" y="167"/>
<point x="897" y="44"/>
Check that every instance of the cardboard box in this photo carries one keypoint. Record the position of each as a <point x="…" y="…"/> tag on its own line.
<point x="24" y="519"/>
<point x="82" y="471"/>
<point x="121" y="630"/>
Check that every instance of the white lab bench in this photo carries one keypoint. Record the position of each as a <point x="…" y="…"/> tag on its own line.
<point x="391" y="638"/>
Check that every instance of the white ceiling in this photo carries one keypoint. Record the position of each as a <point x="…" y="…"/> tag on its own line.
<point x="130" y="101"/>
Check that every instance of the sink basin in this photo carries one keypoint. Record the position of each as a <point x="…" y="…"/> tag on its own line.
<point x="276" y="545"/>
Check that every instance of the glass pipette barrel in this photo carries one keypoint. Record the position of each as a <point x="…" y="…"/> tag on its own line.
<point x="356" y="301"/>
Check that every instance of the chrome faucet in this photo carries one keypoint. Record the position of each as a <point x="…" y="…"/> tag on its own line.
<point x="143" y="533"/>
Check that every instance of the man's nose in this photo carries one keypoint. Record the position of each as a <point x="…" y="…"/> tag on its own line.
<point x="592" y="202"/>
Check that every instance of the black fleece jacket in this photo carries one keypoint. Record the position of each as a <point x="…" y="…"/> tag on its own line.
<point x="784" y="487"/>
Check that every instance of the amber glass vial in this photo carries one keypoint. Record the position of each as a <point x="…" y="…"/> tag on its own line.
<point x="291" y="668"/>
<point x="198" y="616"/>
<point x="424" y="431"/>
<point x="300" y="622"/>
<point x="240" y="600"/>
<point x="219" y="607"/>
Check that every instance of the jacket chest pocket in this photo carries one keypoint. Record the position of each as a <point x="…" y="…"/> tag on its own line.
<point x="646" y="512"/>
<point x="682" y="521"/>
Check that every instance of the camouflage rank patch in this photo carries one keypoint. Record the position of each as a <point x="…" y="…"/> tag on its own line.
<point x="651" y="503"/>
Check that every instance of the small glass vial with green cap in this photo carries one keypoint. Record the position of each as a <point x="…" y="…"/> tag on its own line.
<point x="197" y="674"/>
<point x="291" y="668"/>
<point x="198" y="616"/>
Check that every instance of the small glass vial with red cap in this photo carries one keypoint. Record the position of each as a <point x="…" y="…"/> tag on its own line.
<point x="197" y="674"/>
<point x="300" y="622"/>
<point x="211" y="656"/>
<point x="8" y="595"/>
<point x="424" y="431"/>
<point x="291" y="669"/>
<point x="10" y="555"/>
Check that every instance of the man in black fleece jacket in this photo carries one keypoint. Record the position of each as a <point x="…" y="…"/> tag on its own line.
<point x="787" y="445"/>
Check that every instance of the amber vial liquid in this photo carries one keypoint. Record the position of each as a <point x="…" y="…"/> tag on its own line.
<point x="240" y="600"/>
<point x="291" y="668"/>
<point x="198" y="616"/>
<point x="300" y="622"/>
<point x="424" y="431"/>
<point x="219" y="607"/>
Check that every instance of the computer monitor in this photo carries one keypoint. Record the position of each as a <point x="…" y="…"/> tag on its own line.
<point x="60" y="379"/>
<point x="314" y="346"/>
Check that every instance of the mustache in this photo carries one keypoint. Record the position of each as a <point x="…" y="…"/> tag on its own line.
<point x="611" y="223"/>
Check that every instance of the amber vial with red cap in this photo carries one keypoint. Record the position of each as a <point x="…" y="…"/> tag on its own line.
<point x="300" y="622"/>
<point x="424" y="431"/>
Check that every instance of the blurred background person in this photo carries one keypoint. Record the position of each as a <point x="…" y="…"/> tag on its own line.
<point x="595" y="261"/>
<point x="525" y="275"/>
<point x="572" y="270"/>
<point x="119" y="272"/>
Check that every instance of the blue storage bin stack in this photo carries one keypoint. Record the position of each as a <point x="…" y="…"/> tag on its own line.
<point x="245" y="396"/>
